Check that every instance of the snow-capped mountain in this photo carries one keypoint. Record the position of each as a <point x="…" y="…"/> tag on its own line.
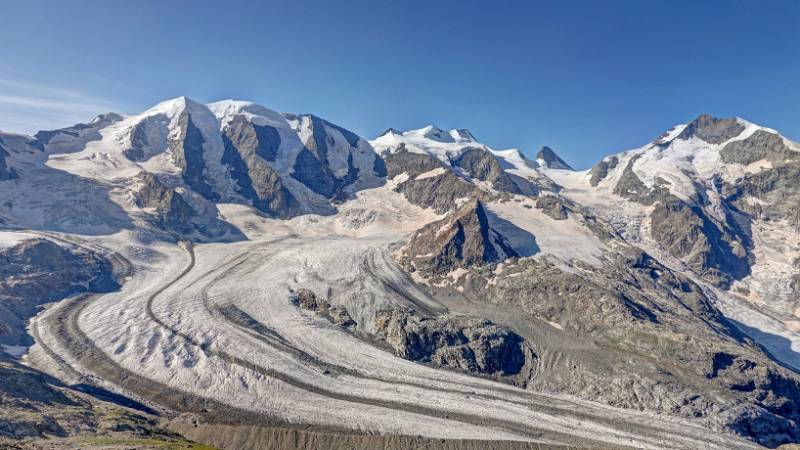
<point x="229" y="151"/>
<point x="278" y="265"/>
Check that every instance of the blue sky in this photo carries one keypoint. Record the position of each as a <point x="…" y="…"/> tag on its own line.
<point x="585" y="77"/>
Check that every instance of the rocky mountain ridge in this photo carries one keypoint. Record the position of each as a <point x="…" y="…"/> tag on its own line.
<point x="663" y="279"/>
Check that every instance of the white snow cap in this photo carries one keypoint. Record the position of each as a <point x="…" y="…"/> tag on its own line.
<point x="448" y="145"/>
<point x="226" y="110"/>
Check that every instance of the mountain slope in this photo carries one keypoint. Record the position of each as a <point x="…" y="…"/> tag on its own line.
<point x="284" y="269"/>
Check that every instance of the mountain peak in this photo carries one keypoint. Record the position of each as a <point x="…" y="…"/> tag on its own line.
<point x="390" y="131"/>
<point x="712" y="129"/>
<point x="548" y="158"/>
<point x="464" y="134"/>
<point x="226" y="110"/>
<point x="175" y="106"/>
<point x="105" y="119"/>
<point x="436" y="134"/>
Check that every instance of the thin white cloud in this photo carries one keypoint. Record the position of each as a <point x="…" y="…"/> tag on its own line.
<point x="27" y="107"/>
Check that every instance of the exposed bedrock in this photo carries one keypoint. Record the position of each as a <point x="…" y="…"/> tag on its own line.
<point x="716" y="248"/>
<point x="462" y="239"/>
<point x="442" y="193"/>
<point x="308" y="300"/>
<point x="188" y="152"/>
<point x="248" y="150"/>
<point x="600" y="171"/>
<point x="171" y="210"/>
<point x="630" y="186"/>
<point x="145" y="137"/>
<point x="711" y="129"/>
<point x="313" y="164"/>
<point x="712" y="249"/>
<point x="38" y="271"/>
<point x="636" y="335"/>
<point x="472" y="345"/>
<point x="412" y="164"/>
<point x="480" y="164"/>
<point x="6" y="172"/>
<point x="551" y="159"/>
<point x="552" y="206"/>
<point x="777" y="191"/>
<point x="761" y="145"/>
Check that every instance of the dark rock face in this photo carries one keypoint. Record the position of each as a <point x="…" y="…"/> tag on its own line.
<point x="440" y="192"/>
<point x="551" y="159"/>
<point x="79" y="133"/>
<point x="6" y="172"/>
<point x="413" y="164"/>
<point x="471" y="345"/>
<point x="778" y="189"/>
<point x="172" y="211"/>
<point x="308" y="300"/>
<point x="600" y="171"/>
<point x="248" y="149"/>
<point x="638" y="335"/>
<point x="34" y="405"/>
<point x="38" y="271"/>
<point x="552" y="206"/>
<point x="310" y="170"/>
<point x="463" y="239"/>
<point x="141" y="147"/>
<point x="712" y="129"/>
<point x="188" y="151"/>
<point x="761" y="145"/>
<point x="631" y="187"/>
<point x="711" y="249"/>
<point x="11" y="144"/>
<point x="312" y="167"/>
<point x="45" y="136"/>
<point x="482" y="165"/>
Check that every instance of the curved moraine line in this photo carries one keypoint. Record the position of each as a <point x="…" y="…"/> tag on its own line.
<point x="645" y="431"/>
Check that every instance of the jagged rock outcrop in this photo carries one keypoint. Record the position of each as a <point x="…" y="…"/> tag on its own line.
<point x="761" y="145"/>
<point x="463" y="239"/>
<point x="552" y="206"/>
<point x="551" y="159"/>
<point x="776" y="190"/>
<point x="249" y="149"/>
<point x="308" y="300"/>
<point x="472" y="345"/>
<point x="442" y="191"/>
<point x="81" y="133"/>
<point x="630" y="186"/>
<point x="6" y="172"/>
<point x="480" y="164"/>
<point x="413" y="164"/>
<point x="711" y="129"/>
<point x="36" y="406"/>
<point x="172" y="211"/>
<point x="600" y="171"/>
<point x="14" y="149"/>
<point x="712" y="249"/>
<point x="145" y="138"/>
<point x="38" y="271"/>
<point x="333" y="158"/>
<point x="637" y="335"/>
<point x="187" y="150"/>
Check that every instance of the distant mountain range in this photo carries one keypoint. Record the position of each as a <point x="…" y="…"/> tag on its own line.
<point x="275" y="265"/>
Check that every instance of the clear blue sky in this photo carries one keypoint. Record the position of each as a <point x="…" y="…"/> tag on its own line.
<point x="584" y="77"/>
